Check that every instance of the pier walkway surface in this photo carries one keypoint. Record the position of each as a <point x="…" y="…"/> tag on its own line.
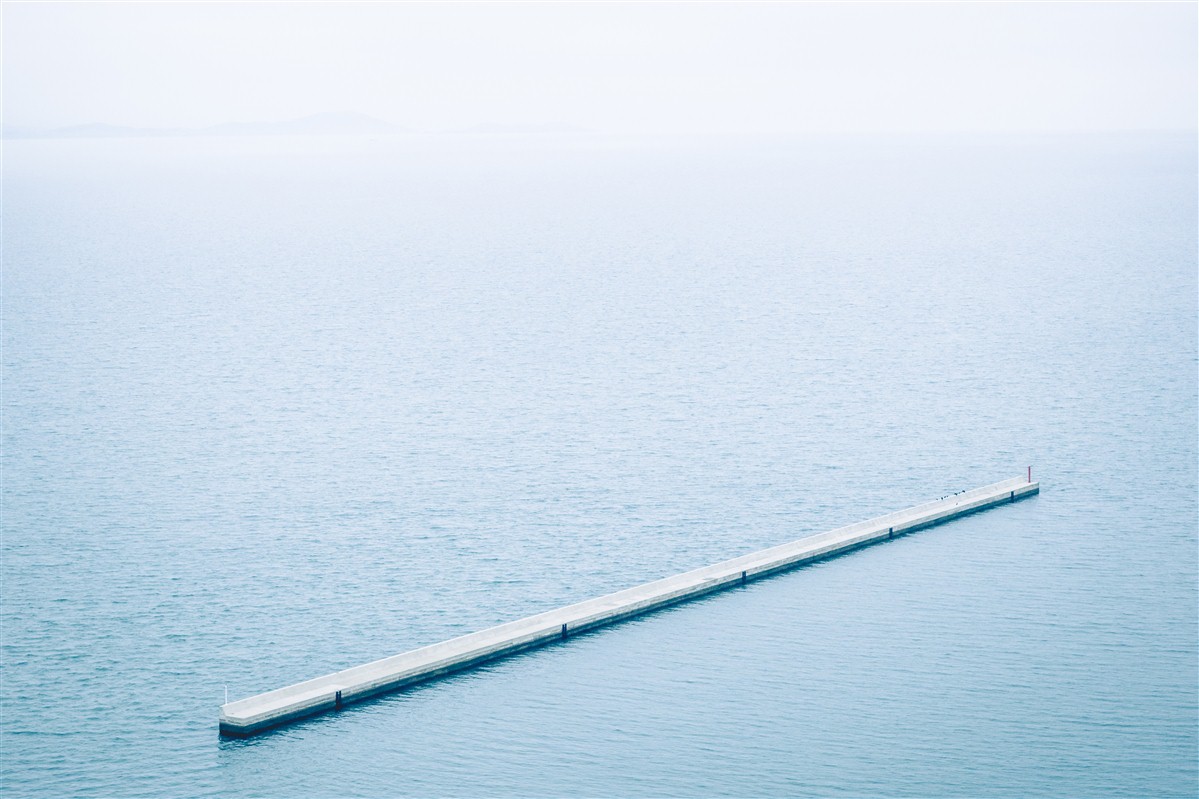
<point x="257" y="713"/>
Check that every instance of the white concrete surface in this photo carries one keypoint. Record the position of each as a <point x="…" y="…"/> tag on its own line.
<point x="257" y="713"/>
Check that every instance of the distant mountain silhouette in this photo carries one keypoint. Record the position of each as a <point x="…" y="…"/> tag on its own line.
<point x="329" y="123"/>
<point x="341" y="123"/>
<point x="492" y="127"/>
<point x="92" y="130"/>
<point x="324" y="124"/>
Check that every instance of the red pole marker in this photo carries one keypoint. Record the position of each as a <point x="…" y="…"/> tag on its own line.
<point x="1030" y="474"/>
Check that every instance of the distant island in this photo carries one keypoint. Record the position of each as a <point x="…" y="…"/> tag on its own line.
<point x="329" y="123"/>
<point x="490" y="128"/>
<point x="332" y="123"/>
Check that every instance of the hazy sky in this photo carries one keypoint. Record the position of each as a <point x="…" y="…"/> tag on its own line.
<point x="628" y="67"/>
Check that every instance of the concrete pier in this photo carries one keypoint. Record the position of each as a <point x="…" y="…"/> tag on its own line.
<point x="246" y="717"/>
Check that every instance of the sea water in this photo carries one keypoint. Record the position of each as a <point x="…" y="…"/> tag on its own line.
<point x="274" y="407"/>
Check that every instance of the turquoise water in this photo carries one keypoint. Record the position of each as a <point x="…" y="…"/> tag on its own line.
<point x="276" y="407"/>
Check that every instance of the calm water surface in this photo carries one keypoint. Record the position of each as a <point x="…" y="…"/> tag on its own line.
<point x="276" y="407"/>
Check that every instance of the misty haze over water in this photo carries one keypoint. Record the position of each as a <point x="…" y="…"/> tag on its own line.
<point x="334" y="330"/>
<point x="276" y="406"/>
